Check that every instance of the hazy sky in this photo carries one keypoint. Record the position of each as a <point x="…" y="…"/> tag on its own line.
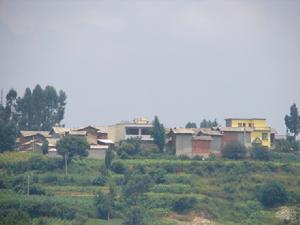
<point x="180" y="60"/>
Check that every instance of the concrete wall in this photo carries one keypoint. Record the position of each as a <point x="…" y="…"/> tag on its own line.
<point x="183" y="144"/>
<point x="216" y="143"/>
<point x="97" y="154"/>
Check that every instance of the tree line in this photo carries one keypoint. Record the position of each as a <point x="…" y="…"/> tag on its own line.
<point x="37" y="109"/>
<point x="203" y="124"/>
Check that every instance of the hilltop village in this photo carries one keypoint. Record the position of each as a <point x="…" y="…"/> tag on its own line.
<point x="183" y="141"/>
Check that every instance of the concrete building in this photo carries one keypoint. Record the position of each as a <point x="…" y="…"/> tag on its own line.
<point x="181" y="139"/>
<point x="201" y="146"/>
<point x="241" y="134"/>
<point x="261" y="132"/>
<point x="138" y="128"/>
<point x="216" y="136"/>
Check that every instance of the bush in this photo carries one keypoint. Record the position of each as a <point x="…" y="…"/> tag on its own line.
<point x="14" y="216"/>
<point x="289" y="145"/>
<point x="158" y="175"/>
<point x="37" y="190"/>
<point x="272" y="194"/>
<point x="184" y="204"/>
<point x="101" y="181"/>
<point x="183" y="157"/>
<point x="234" y="150"/>
<point x="118" y="167"/>
<point x="259" y="152"/>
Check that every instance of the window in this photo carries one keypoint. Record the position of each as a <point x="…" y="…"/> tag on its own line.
<point x="132" y="131"/>
<point x="250" y="125"/>
<point x="145" y="131"/>
<point x="244" y="124"/>
<point x="240" y="124"/>
<point x="264" y="136"/>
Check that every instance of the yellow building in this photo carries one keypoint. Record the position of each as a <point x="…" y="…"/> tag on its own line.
<point x="261" y="132"/>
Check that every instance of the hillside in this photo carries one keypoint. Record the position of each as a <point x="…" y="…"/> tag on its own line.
<point x="178" y="191"/>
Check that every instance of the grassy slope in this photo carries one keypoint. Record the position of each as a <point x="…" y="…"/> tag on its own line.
<point x="226" y="196"/>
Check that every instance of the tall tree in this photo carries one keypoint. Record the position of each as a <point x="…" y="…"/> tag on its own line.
<point x="136" y="215"/>
<point x="208" y="123"/>
<point x="109" y="156"/>
<point x="191" y="125"/>
<point x="41" y="109"/>
<point x="292" y="121"/>
<point x="11" y="102"/>
<point x="158" y="134"/>
<point x="71" y="146"/>
<point x="8" y="131"/>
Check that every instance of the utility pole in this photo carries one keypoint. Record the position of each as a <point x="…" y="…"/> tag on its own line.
<point x="66" y="164"/>
<point x="28" y="177"/>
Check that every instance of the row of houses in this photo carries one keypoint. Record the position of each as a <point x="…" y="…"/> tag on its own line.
<point x="99" y="138"/>
<point x="190" y="142"/>
<point x="206" y="141"/>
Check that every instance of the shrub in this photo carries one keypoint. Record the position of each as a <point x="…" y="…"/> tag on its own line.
<point x="101" y="181"/>
<point x="259" y="152"/>
<point x="234" y="150"/>
<point x="37" y="190"/>
<point x="183" y="157"/>
<point x="14" y="216"/>
<point x="118" y="167"/>
<point x="272" y="194"/>
<point x="184" y="204"/>
<point x="289" y="145"/>
<point x="136" y="216"/>
<point x="158" y="176"/>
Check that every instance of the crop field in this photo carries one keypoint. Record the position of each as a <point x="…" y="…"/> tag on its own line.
<point x="224" y="192"/>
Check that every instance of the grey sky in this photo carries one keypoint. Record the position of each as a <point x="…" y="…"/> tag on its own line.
<point x="180" y="60"/>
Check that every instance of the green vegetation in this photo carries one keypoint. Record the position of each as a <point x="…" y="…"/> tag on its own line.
<point x="158" y="134"/>
<point x="208" y="123"/>
<point x="292" y="121"/>
<point x="148" y="191"/>
<point x="272" y="194"/>
<point x="234" y="150"/>
<point x="70" y="146"/>
<point x="191" y="125"/>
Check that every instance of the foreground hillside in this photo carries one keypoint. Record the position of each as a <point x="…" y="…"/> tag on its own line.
<point x="178" y="191"/>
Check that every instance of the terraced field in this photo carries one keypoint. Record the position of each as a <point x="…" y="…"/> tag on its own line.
<point x="225" y="192"/>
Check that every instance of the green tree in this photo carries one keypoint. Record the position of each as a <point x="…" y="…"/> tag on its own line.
<point x="129" y="147"/>
<point x="41" y="109"/>
<point x="191" y="125"/>
<point x="158" y="134"/>
<point x="272" y="194"/>
<point x="109" y="156"/>
<point x="184" y="204"/>
<point x="135" y="186"/>
<point x="208" y="123"/>
<point x="8" y="131"/>
<point x="45" y="147"/>
<point x="104" y="204"/>
<point x="234" y="150"/>
<point x="13" y="217"/>
<point x="11" y="103"/>
<point x="136" y="216"/>
<point x="259" y="152"/>
<point x="292" y="121"/>
<point x="71" y="146"/>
